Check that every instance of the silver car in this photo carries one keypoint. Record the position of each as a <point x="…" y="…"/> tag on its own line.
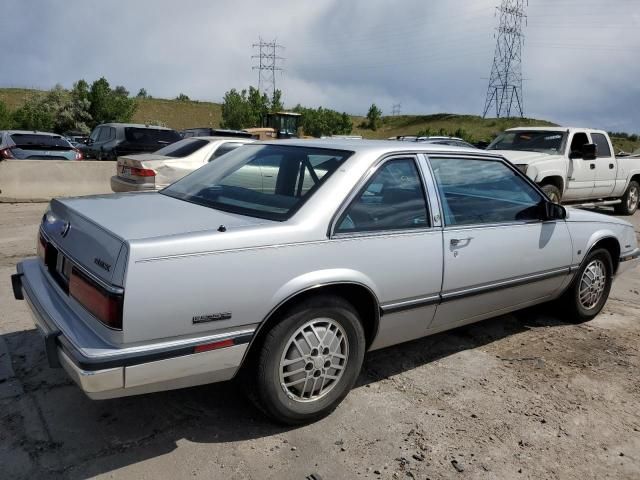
<point x="282" y="263"/>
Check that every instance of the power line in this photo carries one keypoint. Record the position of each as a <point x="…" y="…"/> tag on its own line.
<point x="505" y="82"/>
<point x="395" y="109"/>
<point x="268" y="65"/>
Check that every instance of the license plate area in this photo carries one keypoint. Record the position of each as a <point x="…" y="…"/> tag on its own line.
<point x="125" y="171"/>
<point x="58" y="265"/>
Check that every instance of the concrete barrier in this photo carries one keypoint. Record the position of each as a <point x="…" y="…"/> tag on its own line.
<point x="41" y="180"/>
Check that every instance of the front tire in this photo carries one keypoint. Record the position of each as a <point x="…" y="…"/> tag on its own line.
<point x="589" y="291"/>
<point x="309" y="361"/>
<point x="630" y="200"/>
<point x="553" y="192"/>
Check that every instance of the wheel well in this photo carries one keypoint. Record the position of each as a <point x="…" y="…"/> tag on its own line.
<point x="613" y="247"/>
<point x="555" y="181"/>
<point x="359" y="296"/>
<point x="635" y="178"/>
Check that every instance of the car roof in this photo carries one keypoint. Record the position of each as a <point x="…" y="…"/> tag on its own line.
<point x="225" y="138"/>
<point x="132" y="125"/>
<point x="380" y="147"/>
<point x="553" y="129"/>
<point x="32" y="132"/>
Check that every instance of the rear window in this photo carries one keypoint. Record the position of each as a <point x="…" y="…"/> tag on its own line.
<point x="603" y="145"/>
<point x="151" y="136"/>
<point x="264" y="181"/>
<point x="33" y="140"/>
<point x="183" y="148"/>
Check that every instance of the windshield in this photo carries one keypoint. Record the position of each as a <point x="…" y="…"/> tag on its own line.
<point x="265" y="181"/>
<point x="33" y="141"/>
<point x="549" y="141"/>
<point x="182" y="148"/>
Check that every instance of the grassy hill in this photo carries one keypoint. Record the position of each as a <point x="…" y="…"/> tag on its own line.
<point x="179" y="114"/>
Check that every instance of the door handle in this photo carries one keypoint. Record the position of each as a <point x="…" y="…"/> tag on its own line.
<point x="455" y="242"/>
<point x="611" y="166"/>
<point x="592" y="166"/>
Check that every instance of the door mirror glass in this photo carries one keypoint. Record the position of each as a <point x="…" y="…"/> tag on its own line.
<point x="553" y="211"/>
<point x="589" y="151"/>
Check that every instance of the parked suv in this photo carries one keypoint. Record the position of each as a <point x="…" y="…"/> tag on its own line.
<point x="110" y="140"/>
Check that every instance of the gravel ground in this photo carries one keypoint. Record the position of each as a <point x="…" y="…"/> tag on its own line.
<point x="519" y="396"/>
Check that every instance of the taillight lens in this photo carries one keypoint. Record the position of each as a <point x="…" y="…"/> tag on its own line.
<point x="78" y="154"/>
<point x="6" y="153"/>
<point x="105" y="306"/>
<point x="142" y="172"/>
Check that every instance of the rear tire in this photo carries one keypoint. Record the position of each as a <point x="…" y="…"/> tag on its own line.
<point x="308" y="362"/>
<point x="630" y="200"/>
<point x="589" y="291"/>
<point x="553" y="192"/>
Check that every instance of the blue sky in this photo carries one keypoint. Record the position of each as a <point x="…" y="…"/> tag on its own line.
<point x="581" y="59"/>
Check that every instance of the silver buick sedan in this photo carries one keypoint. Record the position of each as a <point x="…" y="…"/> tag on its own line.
<point x="282" y="263"/>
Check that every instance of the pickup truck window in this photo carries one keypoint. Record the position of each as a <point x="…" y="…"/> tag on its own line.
<point x="603" y="145"/>
<point x="543" y="141"/>
<point x="264" y="181"/>
<point x="392" y="200"/>
<point x="483" y="191"/>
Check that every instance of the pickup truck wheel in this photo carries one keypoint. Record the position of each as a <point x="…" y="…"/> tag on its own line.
<point x="630" y="199"/>
<point x="553" y="192"/>
<point x="309" y="361"/>
<point x="590" y="288"/>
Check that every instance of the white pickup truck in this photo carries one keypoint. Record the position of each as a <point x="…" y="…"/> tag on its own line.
<point x="573" y="165"/>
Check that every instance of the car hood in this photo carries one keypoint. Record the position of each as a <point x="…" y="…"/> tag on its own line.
<point x="579" y="215"/>
<point x="520" y="157"/>
<point x="132" y="216"/>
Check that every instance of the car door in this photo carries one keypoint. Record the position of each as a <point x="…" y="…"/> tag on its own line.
<point x="387" y="234"/>
<point x="581" y="174"/>
<point x="498" y="253"/>
<point x="606" y="167"/>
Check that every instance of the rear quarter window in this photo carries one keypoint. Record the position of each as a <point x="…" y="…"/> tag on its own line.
<point x="150" y="136"/>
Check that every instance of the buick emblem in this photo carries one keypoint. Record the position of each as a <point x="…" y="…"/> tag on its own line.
<point x="64" y="229"/>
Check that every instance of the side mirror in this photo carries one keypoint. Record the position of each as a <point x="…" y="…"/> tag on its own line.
<point x="553" y="211"/>
<point x="589" y="151"/>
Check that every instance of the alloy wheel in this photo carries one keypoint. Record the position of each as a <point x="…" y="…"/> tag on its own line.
<point x="592" y="284"/>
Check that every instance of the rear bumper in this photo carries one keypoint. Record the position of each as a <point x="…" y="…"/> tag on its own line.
<point x="629" y="261"/>
<point x="104" y="371"/>
<point x="119" y="184"/>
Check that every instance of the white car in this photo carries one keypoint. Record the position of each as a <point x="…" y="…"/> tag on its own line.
<point x="153" y="171"/>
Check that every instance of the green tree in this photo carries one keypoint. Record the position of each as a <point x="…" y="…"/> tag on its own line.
<point x="374" y="117"/>
<point x="276" y="101"/>
<point x="34" y="114"/>
<point x="259" y="106"/>
<point x="142" y="93"/>
<point x="323" y="121"/>
<point x="183" y="98"/>
<point x="6" y="121"/>
<point x="107" y="105"/>
<point x="235" y="110"/>
<point x="73" y="115"/>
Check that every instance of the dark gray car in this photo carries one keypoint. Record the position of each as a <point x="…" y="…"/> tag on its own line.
<point x="33" y="145"/>
<point x="111" y="140"/>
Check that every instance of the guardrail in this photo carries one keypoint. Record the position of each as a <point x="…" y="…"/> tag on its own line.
<point x="41" y="180"/>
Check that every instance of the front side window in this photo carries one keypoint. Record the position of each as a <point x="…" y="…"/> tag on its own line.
<point x="393" y="199"/>
<point x="265" y="181"/>
<point x="602" y="145"/>
<point x="483" y="191"/>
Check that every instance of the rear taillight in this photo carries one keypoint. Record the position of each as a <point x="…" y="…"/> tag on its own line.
<point x="104" y="305"/>
<point x="6" y="153"/>
<point x="41" y="246"/>
<point x="142" y="172"/>
<point x="78" y="154"/>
